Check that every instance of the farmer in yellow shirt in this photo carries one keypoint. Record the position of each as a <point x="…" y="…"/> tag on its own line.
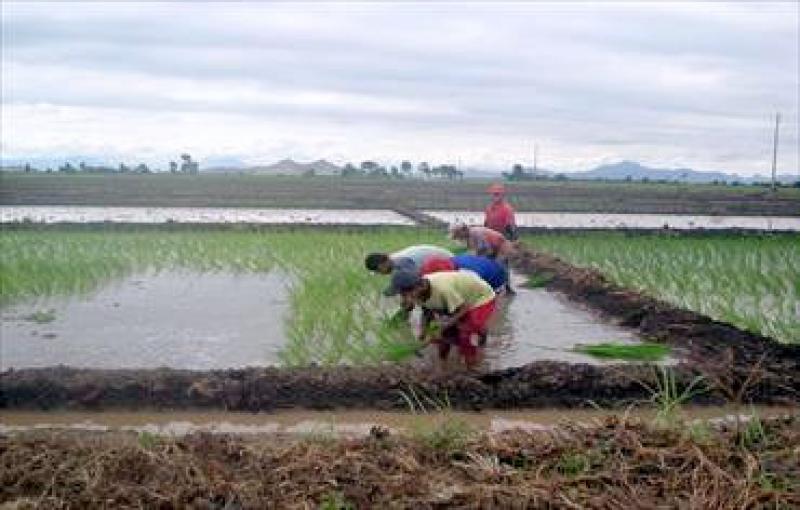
<point x="461" y="300"/>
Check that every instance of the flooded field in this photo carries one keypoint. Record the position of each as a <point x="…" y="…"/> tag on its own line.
<point x="631" y="221"/>
<point x="180" y="319"/>
<point x="192" y="320"/>
<point x="264" y="216"/>
<point x="200" y="215"/>
<point x="536" y="324"/>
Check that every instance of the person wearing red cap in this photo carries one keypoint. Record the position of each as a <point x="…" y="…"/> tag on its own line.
<point x="499" y="214"/>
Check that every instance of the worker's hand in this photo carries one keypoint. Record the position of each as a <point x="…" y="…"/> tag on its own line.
<point x="444" y="324"/>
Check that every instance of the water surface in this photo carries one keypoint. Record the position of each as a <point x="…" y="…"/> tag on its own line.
<point x="179" y="319"/>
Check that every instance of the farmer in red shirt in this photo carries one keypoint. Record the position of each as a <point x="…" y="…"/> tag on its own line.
<point x="500" y="214"/>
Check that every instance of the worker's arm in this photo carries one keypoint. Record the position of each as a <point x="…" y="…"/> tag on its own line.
<point x="456" y="316"/>
<point x="427" y="315"/>
<point x="483" y="248"/>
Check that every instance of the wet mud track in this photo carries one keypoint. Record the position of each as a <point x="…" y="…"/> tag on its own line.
<point x="737" y="366"/>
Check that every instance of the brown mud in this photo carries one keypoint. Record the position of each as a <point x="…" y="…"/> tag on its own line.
<point x="738" y="367"/>
<point x="617" y="463"/>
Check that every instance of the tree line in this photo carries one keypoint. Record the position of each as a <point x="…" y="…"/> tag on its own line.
<point x="187" y="166"/>
<point x="405" y="170"/>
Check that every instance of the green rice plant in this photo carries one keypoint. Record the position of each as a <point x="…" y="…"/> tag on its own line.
<point x="752" y="282"/>
<point x="645" y="351"/>
<point x="335" y="307"/>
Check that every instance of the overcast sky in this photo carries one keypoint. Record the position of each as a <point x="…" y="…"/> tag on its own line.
<point x="669" y="85"/>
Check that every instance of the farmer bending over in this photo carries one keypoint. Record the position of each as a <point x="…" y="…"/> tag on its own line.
<point x="462" y="302"/>
<point x="486" y="242"/>
<point x="407" y="259"/>
<point x="489" y="270"/>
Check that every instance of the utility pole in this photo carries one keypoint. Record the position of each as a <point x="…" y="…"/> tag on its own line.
<point x="534" y="159"/>
<point x="775" y="152"/>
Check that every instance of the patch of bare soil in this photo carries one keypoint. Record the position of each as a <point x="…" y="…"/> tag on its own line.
<point x="617" y="463"/>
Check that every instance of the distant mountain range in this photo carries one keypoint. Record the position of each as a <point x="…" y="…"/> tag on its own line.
<point x="634" y="171"/>
<point x="624" y="170"/>
<point x="283" y="167"/>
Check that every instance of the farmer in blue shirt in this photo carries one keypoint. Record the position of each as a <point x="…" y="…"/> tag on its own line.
<point x="490" y="271"/>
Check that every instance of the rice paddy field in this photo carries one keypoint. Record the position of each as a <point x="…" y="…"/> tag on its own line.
<point x="336" y="315"/>
<point x="752" y="282"/>
<point x="336" y="312"/>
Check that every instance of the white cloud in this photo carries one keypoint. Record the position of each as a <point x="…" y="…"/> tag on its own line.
<point x="689" y="84"/>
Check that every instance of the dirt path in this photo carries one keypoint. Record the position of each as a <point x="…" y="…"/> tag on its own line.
<point x="614" y="464"/>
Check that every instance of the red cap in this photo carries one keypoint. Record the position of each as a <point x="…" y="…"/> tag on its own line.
<point x="496" y="188"/>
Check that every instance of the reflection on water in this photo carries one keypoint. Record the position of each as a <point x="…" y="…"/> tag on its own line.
<point x="179" y="319"/>
<point x="213" y="215"/>
<point x="536" y="324"/>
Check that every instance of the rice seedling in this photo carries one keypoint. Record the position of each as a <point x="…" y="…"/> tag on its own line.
<point x="645" y="351"/>
<point x="752" y="282"/>
<point x="336" y="314"/>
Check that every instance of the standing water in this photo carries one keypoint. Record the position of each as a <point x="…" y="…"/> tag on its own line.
<point x="179" y="319"/>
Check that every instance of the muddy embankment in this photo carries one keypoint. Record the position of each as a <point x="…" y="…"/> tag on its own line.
<point x="738" y="366"/>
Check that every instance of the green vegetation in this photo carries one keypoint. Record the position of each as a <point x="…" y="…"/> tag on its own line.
<point x="573" y="464"/>
<point x="752" y="282"/>
<point x="333" y="316"/>
<point x="436" y="427"/>
<point x="335" y="501"/>
<point x="538" y="280"/>
<point x="668" y="395"/>
<point x="645" y="351"/>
